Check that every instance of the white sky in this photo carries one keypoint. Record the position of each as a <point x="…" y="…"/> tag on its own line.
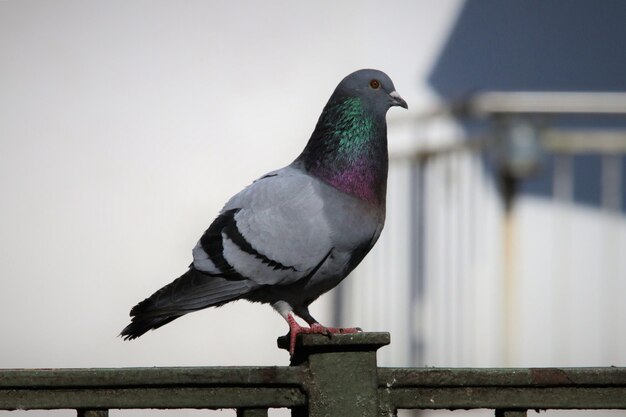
<point x="124" y="127"/>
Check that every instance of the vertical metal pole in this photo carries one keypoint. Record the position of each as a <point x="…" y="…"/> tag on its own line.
<point x="509" y="192"/>
<point x="611" y="183"/>
<point x="337" y="306"/>
<point x="563" y="186"/>
<point x="416" y="274"/>
<point x="612" y="195"/>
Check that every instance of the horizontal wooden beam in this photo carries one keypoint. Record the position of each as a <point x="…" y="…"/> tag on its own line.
<point x="500" y="397"/>
<point x="504" y="377"/>
<point x="166" y="397"/>
<point x="148" y="377"/>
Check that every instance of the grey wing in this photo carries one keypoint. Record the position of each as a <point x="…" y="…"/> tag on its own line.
<point x="273" y="232"/>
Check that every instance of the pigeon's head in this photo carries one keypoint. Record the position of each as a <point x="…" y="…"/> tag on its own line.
<point x="348" y="148"/>
<point x="373" y="87"/>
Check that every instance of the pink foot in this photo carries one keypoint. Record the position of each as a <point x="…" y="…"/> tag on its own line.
<point x="295" y="329"/>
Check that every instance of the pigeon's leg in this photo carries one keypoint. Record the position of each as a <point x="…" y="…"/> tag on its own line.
<point x="315" y="326"/>
<point x="285" y="310"/>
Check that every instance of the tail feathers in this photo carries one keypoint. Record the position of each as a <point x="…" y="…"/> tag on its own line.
<point x="192" y="291"/>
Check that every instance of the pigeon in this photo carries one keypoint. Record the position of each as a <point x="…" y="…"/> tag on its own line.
<point x="297" y="232"/>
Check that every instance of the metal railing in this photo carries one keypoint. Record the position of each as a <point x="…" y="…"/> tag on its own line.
<point x="335" y="376"/>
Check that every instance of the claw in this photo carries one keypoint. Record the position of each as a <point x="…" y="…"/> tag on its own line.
<point x="318" y="328"/>
<point x="295" y="329"/>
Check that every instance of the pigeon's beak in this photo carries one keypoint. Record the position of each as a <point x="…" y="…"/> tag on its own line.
<point x="396" y="100"/>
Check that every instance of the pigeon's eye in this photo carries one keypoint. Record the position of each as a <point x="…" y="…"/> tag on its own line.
<point x="375" y="84"/>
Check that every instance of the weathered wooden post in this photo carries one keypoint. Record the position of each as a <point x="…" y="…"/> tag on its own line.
<point x="341" y="373"/>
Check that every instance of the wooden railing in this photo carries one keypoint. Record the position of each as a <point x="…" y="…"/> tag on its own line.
<point x="335" y="377"/>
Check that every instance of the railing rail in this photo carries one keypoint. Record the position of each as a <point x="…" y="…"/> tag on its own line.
<point x="512" y="388"/>
<point x="327" y="377"/>
<point x="215" y="387"/>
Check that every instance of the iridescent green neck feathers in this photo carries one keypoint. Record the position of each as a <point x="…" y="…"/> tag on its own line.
<point x="348" y="149"/>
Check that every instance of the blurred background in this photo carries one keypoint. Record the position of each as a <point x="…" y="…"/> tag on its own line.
<point x="126" y="125"/>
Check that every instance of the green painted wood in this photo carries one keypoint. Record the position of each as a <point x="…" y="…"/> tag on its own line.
<point x="350" y="342"/>
<point x="343" y="384"/>
<point x="501" y="397"/>
<point x="506" y="389"/>
<point x="166" y="397"/>
<point x="510" y="377"/>
<point x="145" y="377"/>
<point x="328" y="376"/>
<point x="342" y="374"/>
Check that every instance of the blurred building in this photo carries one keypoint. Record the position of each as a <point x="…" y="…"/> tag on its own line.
<point x="506" y="236"/>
